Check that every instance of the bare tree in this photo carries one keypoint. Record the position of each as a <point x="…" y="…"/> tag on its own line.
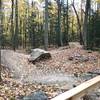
<point x="59" y="22"/>
<point x="12" y="23"/>
<point x="79" y="23"/>
<point x="85" y="25"/>
<point x="16" y="26"/>
<point x="0" y="35"/>
<point x="46" y="26"/>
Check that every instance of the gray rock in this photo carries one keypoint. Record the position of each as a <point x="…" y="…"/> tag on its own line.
<point x="39" y="54"/>
<point x="38" y="95"/>
<point x="95" y="72"/>
<point x="88" y="97"/>
<point x="19" y="97"/>
<point x="91" y="97"/>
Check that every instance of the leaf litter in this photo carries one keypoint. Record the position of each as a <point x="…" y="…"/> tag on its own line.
<point x="67" y="61"/>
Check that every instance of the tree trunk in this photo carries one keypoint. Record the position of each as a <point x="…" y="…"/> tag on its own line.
<point x="67" y="21"/>
<point x="73" y="29"/>
<point x="0" y="35"/>
<point x="85" y="25"/>
<point x="12" y="24"/>
<point x="46" y="26"/>
<point x="65" y="35"/>
<point x="59" y="33"/>
<point x="16" y="26"/>
<point x="79" y="24"/>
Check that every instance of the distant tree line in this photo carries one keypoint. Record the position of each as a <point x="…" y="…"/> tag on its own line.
<point x="56" y="24"/>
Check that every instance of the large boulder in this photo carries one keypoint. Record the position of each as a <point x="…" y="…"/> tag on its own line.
<point x="39" y="54"/>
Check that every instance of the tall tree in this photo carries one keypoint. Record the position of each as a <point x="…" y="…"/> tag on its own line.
<point x="12" y="24"/>
<point x="79" y="23"/>
<point x="46" y="26"/>
<point x="0" y="35"/>
<point x="59" y="33"/>
<point x="85" y="25"/>
<point x="67" y="20"/>
<point x="16" y="26"/>
<point x="65" y="33"/>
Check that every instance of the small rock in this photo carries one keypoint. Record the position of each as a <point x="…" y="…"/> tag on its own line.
<point x="89" y="51"/>
<point x="20" y="97"/>
<point x="70" y="58"/>
<point x="38" y="95"/>
<point x="87" y="97"/>
<point x="84" y="59"/>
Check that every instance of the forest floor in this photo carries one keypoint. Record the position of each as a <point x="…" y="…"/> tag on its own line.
<point x="54" y="76"/>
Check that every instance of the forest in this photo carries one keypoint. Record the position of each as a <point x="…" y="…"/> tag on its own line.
<point x="48" y="47"/>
